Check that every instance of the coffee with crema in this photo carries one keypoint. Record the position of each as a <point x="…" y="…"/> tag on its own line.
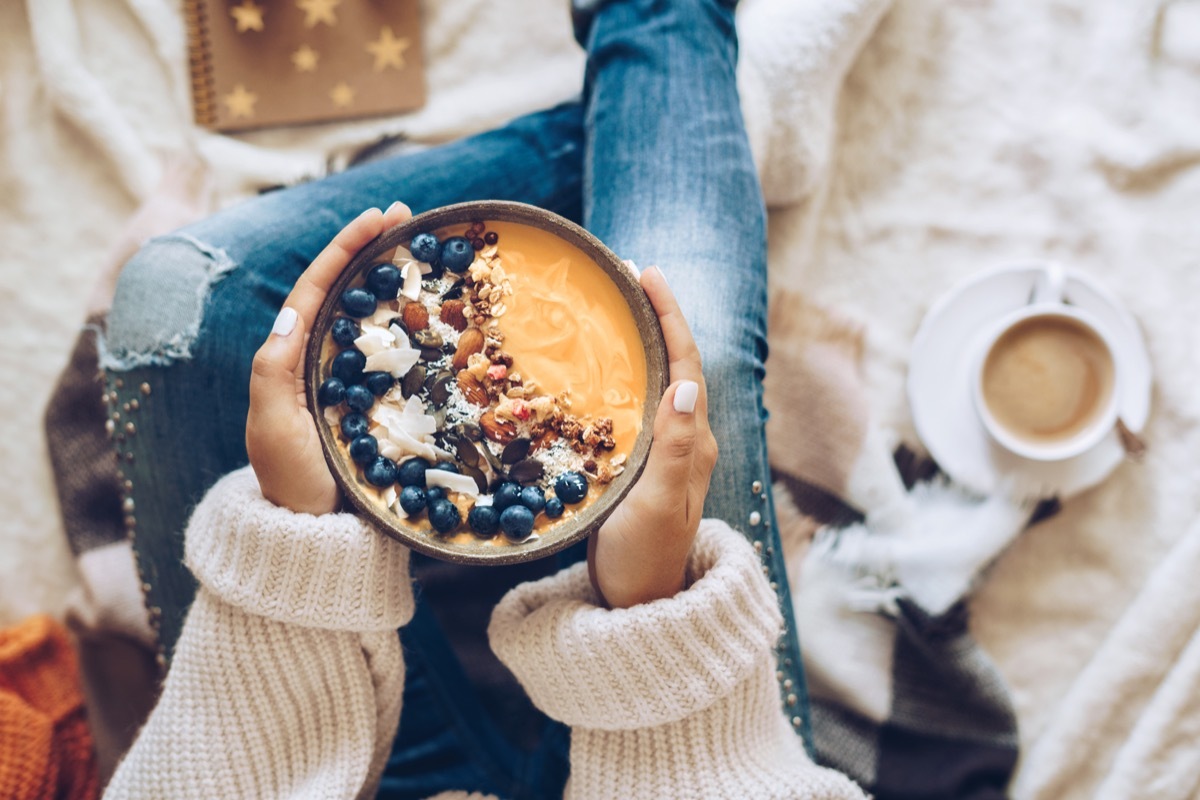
<point x="1047" y="379"/>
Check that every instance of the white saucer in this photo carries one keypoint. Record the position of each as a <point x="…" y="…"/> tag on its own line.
<point x="939" y="384"/>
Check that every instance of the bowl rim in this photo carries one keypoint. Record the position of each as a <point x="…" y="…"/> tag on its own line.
<point x="654" y="346"/>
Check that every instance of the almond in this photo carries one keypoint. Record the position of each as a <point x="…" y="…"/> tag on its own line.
<point x="498" y="431"/>
<point x="472" y="389"/>
<point x="452" y="314"/>
<point x="415" y="316"/>
<point x="469" y="343"/>
<point x="547" y="438"/>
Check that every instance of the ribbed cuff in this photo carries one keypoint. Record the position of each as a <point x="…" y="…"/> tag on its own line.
<point x="647" y="665"/>
<point x="332" y="571"/>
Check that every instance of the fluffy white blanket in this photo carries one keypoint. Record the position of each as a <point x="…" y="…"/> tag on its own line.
<point x="966" y="133"/>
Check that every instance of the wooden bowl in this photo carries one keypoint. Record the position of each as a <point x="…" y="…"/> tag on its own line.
<point x="582" y="522"/>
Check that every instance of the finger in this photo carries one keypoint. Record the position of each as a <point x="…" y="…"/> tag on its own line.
<point x="313" y="285"/>
<point x="273" y="374"/>
<point x="683" y="355"/>
<point x="666" y="481"/>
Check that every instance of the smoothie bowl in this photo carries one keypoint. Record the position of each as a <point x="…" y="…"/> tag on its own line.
<point x="485" y="379"/>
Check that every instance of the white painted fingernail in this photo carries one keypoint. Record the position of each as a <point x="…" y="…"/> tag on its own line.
<point x="637" y="273"/>
<point x="393" y="207"/>
<point x="663" y="274"/>
<point x="685" y="396"/>
<point x="369" y="211"/>
<point x="285" y="323"/>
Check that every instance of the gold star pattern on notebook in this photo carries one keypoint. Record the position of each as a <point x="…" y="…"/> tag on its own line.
<point x="248" y="16"/>
<point x="318" y="11"/>
<point x="342" y="95"/>
<point x="305" y="59"/>
<point x="388" y="50"/>
<point x="240" y="102"/>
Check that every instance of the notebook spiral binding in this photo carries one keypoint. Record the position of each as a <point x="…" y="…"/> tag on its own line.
<point x="204" y="101"/>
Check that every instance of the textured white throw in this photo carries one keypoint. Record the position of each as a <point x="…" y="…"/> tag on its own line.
<point x="288" y="677"/>
<point x="967" y="133"/>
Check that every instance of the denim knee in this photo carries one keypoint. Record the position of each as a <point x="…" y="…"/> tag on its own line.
<point x="160" y="302"/>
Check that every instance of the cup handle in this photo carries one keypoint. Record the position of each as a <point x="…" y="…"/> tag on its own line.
<point x="1051" y="285"/>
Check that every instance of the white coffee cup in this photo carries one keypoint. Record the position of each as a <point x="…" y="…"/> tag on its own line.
<point x="1076" y="350"/>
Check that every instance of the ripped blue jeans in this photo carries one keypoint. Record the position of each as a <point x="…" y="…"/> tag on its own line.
<point x="654" y="160"/>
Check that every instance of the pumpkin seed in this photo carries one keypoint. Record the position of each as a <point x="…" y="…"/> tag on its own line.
<point x="515" y="450"/>
<point x="527" y="471"/>
<point x="413" y="381"/>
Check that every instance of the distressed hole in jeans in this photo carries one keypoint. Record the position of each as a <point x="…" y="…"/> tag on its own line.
<point x="159" y="302"/>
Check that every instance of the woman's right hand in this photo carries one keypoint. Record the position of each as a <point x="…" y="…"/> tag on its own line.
<point x="281" y="435"/>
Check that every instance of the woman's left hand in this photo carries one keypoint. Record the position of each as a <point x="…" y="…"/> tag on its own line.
<point x="281" y="436"/>
<point x="640" y="553"/>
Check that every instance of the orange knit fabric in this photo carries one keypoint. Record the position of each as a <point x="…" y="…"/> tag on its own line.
<point x="45" y="746"/>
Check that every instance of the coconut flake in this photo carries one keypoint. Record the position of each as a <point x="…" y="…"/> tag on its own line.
<point x="332" y="418"/>
<point x="395" y="361"/>
<point x="412" y="280"/>
<point x="416" y="425"/>
<point x="452" y="482"/>
<point x="372" y="343"/>
<point x="484" y="499"/>
<point x="410" y="444"/>
<point x="401" y="255"/>
<point x="400" y="337"/>
<point x="385" y="312"/>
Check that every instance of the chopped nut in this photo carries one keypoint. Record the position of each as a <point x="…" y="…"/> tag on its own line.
<point x="415" y="317"/>
<point x="502" y="357"/>
<point x="477" y="365"/>
<point x="471" y="389"/>
<point x="499" y="431"/>
<point x="452" y="314"/>
<point x="469" y="343"/>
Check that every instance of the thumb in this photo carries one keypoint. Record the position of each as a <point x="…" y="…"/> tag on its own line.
<point x="664" y="483"/>
<point x="273" y="373"/>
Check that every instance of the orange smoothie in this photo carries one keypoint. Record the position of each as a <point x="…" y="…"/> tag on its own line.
<point x="568" y="328"/>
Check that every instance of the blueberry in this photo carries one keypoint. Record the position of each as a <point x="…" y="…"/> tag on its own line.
<point x="381" y="472"/>
<point x="554" y="508"/>
<point x="484" y="520"/>
<point x="364" y="449"/>
<point x="533" y="498"/>
<point x="359" y="398"/>
<point x="457" y="253"/>
<point x="331" y="392"/>
<point x="516" y="522"/>
<point x="436" y="493"/>
<point x="446" y="466"/>
<point x="412" y="472"/>
<point x="444" y="515"/>
<point x="571" y="487"/>
<point x="425" y="247"/>
<point x="384" y="281"/>
<point x="354" y="425"/>
<point x="378" y="382"/>
<point x="345" y="331"/>
<point x="412" y="499"/>
<point x="507" y="494"/>
<point x="358" y="302"/>
<point x="348" y="366"/>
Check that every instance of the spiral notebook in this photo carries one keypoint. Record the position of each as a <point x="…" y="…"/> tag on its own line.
<point x="263" y="63"/>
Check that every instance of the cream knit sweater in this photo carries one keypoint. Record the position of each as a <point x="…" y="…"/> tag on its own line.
<point x="287" y="679"/>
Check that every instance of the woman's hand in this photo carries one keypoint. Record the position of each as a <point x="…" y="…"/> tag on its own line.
<point x="640" y="553"/>
<point x="281" y="437"/>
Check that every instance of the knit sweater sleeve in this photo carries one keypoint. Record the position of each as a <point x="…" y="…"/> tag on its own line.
<point x="674" y="698"/>
<point x="288" y="675"/>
